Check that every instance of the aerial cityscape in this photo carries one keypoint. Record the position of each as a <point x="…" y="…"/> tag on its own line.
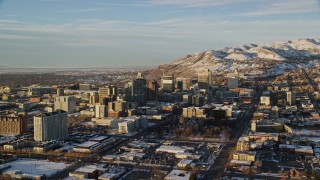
<point x="159" y="89"/>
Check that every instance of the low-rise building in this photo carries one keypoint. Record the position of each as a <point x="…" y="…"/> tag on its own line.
<point x="178" y="175"/>
<point x="185" y="163"/>
<point x="187" y="156"/>
<point x="107" y="176"/>
<point x="296" y="149"/>
<point x="133" y="123"/>
<point x="171" y="149"/>
<point x="87" y="147"/>
<point x="112" y="173"/>
<point x="194" y="112"/>
<point x="243" y="145"/>
<point x="15" y="145"/>
<point x="45" y="146"/>
<point x="261" y="137"/>
<point x="87" y="113"/>
<point x="126" y="127"/>
<point x="114" y="114"/>
<point x="90" y="171"/>
<point x="132" y="156"/>
<point x="244" y="156"/>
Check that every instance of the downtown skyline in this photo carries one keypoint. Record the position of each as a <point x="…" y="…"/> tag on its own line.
<point x="97" y="33"/>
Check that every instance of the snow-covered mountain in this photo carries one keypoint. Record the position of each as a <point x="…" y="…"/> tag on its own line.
<point x="274" y="58"/>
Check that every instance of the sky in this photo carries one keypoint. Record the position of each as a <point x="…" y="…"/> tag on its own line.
<point x="132" y="33"/>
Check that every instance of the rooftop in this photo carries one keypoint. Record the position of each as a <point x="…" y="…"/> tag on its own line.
<point x="87" y="169"/>
<point x="107" y="175"/>
<point x="88" y="144"/>
<point x="178" y="175"/>
<point x="186" y="161"/>
<point x="99" y="138"/>
<point x="51" y="113"/>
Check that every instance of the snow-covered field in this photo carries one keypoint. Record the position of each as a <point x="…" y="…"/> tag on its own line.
<point x="36" y="167"/>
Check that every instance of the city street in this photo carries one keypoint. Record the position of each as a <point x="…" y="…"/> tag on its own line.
<point x="217" y="169"/>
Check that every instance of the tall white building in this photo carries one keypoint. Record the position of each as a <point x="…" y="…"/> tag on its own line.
<point x="94" y="98"/>
<point x="50" y="126"/>
<point x="101" y="111"/>
<point x="291" y="98"/>
<point x="65" y="103"/>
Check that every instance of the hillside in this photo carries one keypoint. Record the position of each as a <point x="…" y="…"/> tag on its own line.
<point x="268" y="59"/>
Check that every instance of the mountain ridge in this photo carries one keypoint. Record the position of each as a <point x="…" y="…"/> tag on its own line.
<point x="272" y="58"/>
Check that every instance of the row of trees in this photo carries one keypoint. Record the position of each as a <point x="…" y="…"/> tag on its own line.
<point x="205" y="132"/>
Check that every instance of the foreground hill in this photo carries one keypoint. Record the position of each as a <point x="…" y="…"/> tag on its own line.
<point x="268" y="59"/>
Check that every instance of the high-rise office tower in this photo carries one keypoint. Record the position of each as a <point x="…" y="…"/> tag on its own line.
<point x="167" y="83"/>
<point x="185" y="83"/>
<point x="13" y="124"/>
<point x="66" y="103"/>
<point x="108" y="92"/>
<point x="205" y="79"/>
<point x="274" y="112"/>
<point x="117" y="106"/>
<point x="139" y="90"/>
<point x="291" y="98"/>
<point x="104" y="92"/>
<point x="116" y="109"/>
<point x="50" y="126"/>
<point x="152" y="90"/>
<point x="60" y="92"/>
<point x="94" y="98"/>
<point x="233" y="82"/>
<point x="128" y="92"/>
<point x="179" y="85"/>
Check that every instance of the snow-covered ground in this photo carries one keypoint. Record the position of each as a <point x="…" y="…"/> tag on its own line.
<point x="276" y="58"/>
<point x="36" y="167"/>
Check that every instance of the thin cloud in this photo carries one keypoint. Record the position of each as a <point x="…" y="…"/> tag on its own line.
<point x="102" y="32"/>
<point x="286" y="7"/>
<point x="50" y="0"/>
<point x="132" y="4"/>
<point x="16" y="37"/>
<point x="195" y="3"/>
<point x="162" y="40"/>
<point x="28" y="27"/>
<point x="81" y="10"/>
<point x="10" y="15"/>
